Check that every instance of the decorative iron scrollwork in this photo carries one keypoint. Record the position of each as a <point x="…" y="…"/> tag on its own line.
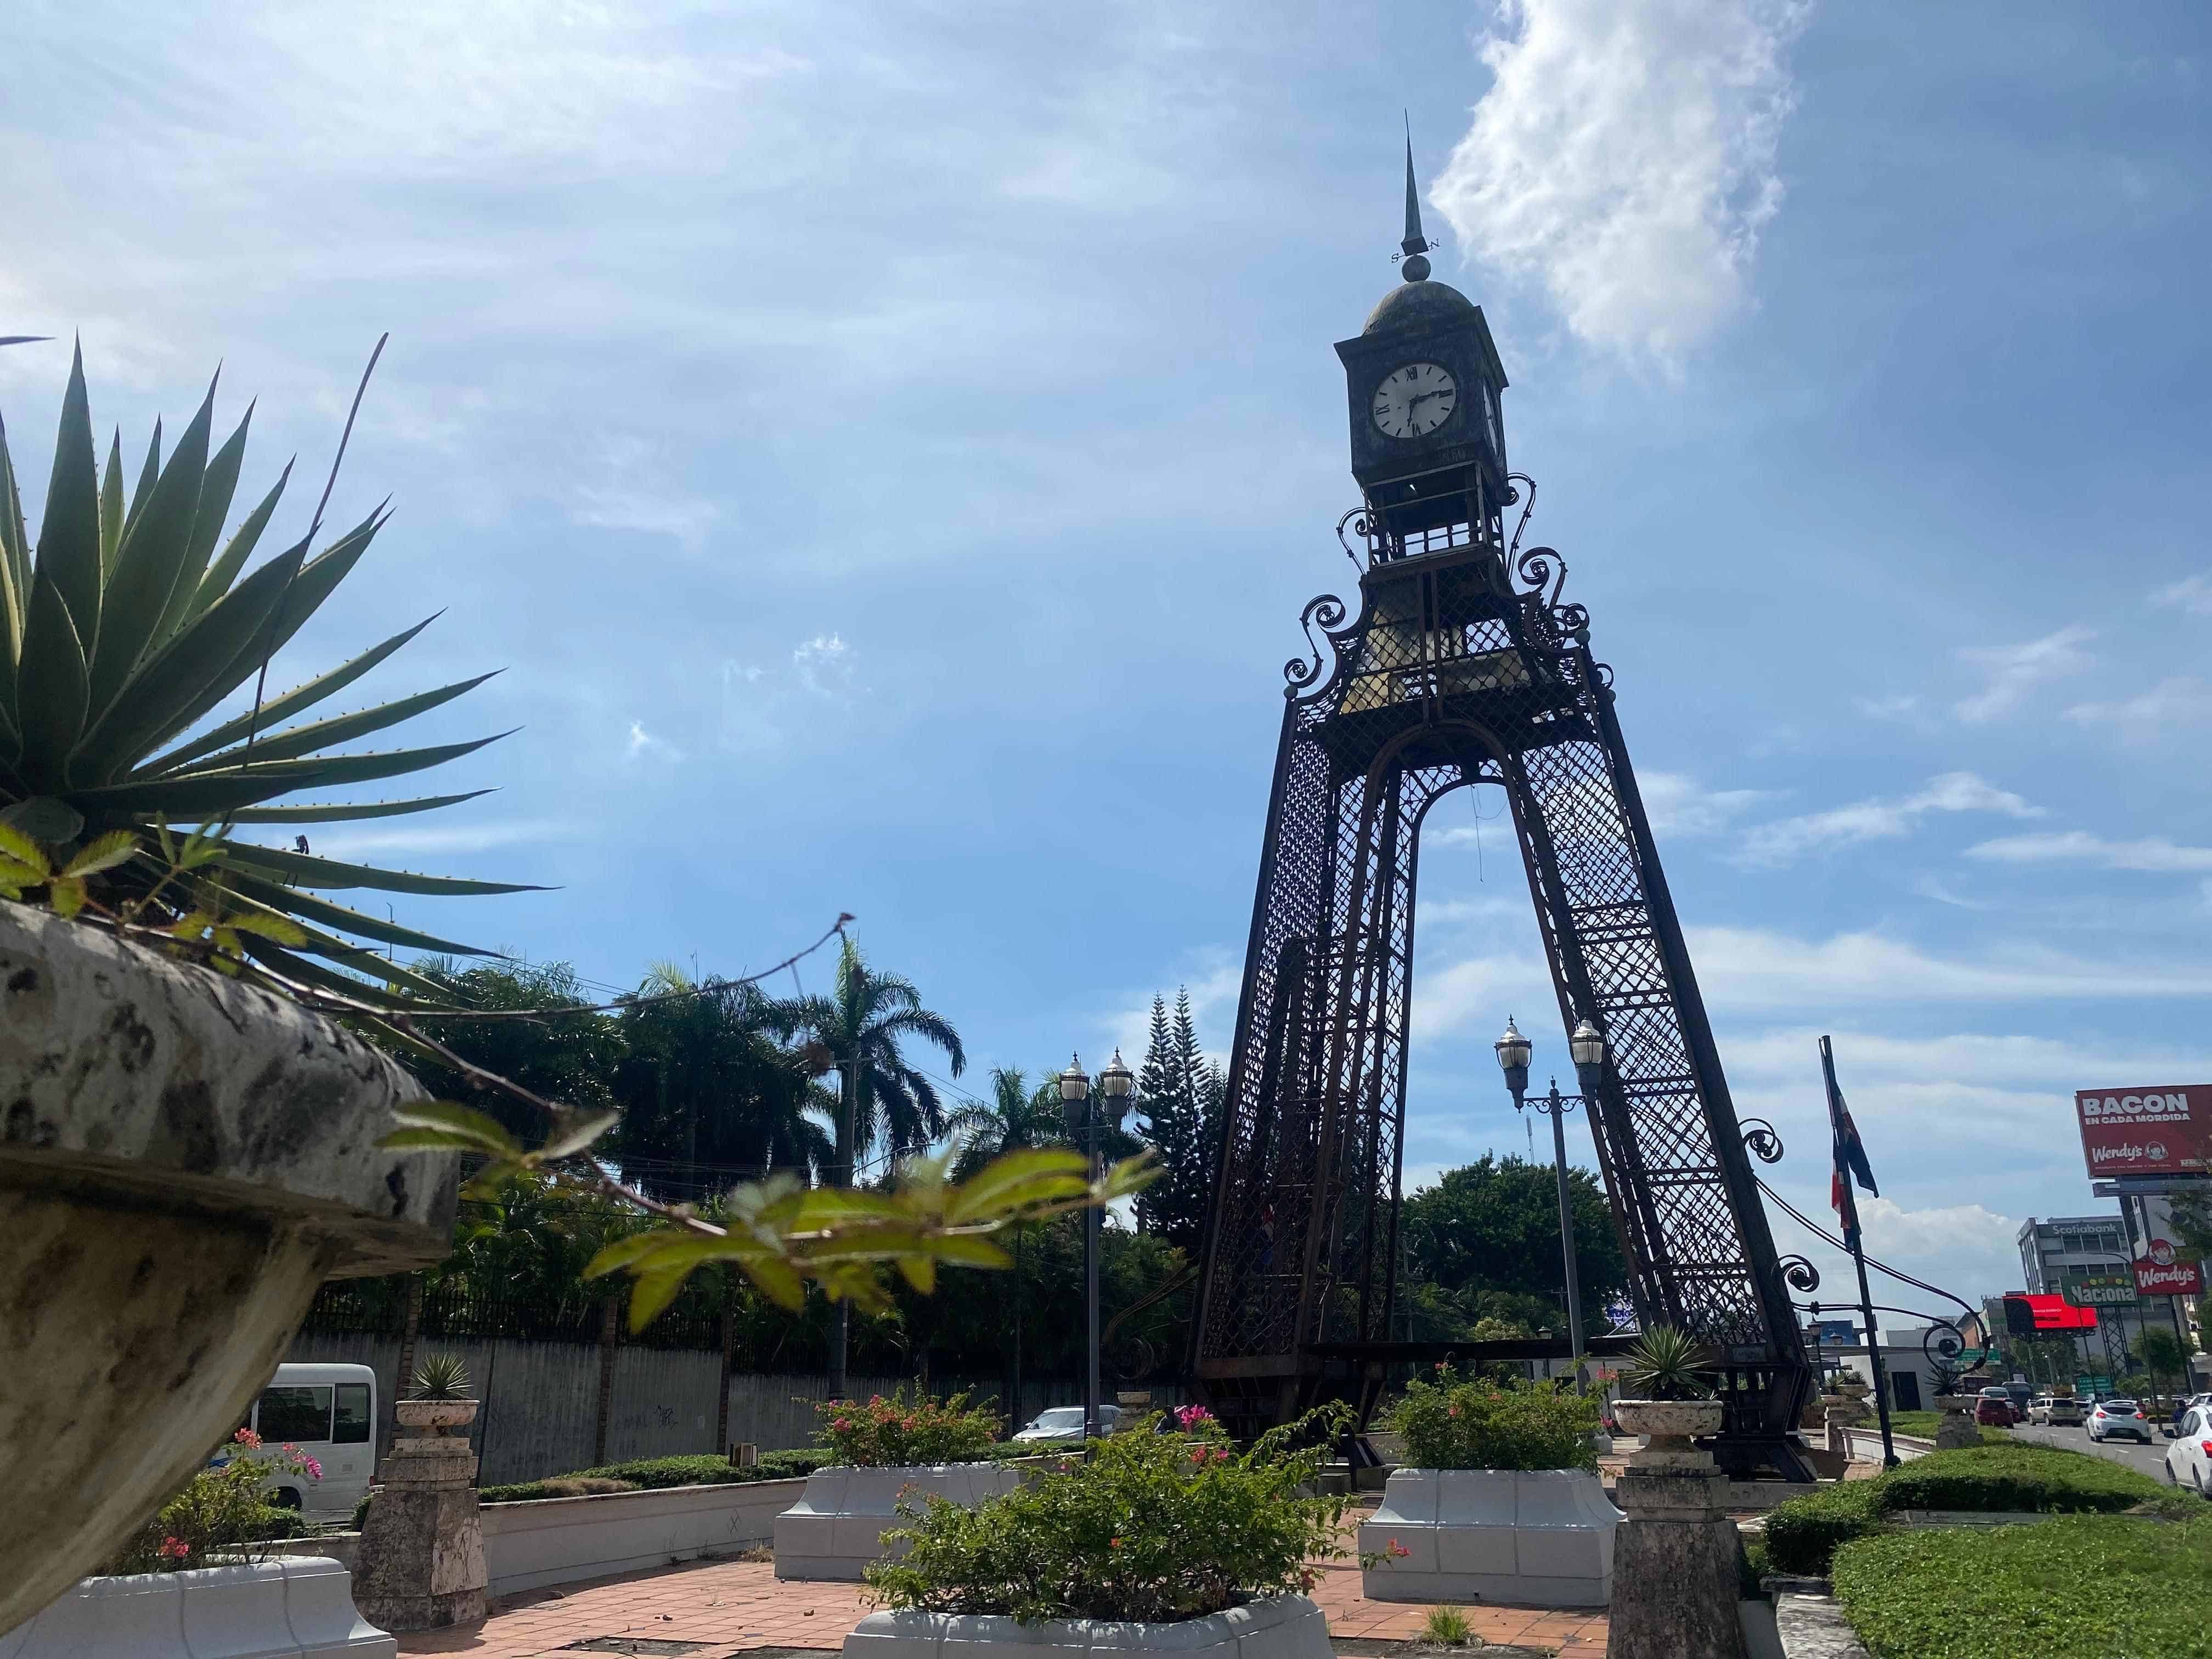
<point x="1535" y="570"/>
<point x="1942" y="1344"/>
<point x="1327" y="610"/>
<point x="1362" y="523"/>
<point x="1799" y="1273"/>
<point x="1760" y="1141"/>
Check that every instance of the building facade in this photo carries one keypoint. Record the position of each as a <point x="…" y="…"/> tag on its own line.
<point x="2085" y="1258"/>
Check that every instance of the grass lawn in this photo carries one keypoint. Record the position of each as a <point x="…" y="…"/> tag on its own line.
<point x="2079" y="1585"/>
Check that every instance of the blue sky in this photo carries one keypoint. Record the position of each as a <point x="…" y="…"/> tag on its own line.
<point x="888" y="448"/>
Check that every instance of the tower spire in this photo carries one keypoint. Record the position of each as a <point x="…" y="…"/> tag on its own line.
<point x="1415" y="268"/>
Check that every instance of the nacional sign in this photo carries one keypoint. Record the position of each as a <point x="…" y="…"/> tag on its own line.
<point x="2100" y="1290"/>
<point x="2163" y="1131"/>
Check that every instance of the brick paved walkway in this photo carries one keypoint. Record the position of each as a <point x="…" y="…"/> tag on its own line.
<point x="733" y="1607"/>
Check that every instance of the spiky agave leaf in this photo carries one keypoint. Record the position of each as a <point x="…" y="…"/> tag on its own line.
<point x="124" y="629"/>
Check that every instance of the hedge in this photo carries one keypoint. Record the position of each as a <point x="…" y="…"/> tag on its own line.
<point x="652" y="1473"/>
<point x="2081" y="1585"/>
<point x="2046" y="1480"/>
<point x="1803" y="1534"/>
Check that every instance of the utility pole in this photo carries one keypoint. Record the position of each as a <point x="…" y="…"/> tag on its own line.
<point x="841" y="1311"/>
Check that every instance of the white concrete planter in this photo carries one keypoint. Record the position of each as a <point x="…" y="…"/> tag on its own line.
<point x="183" y="1160"/>
<point x="1279" y="1627"/>
<point x="1538" y="1538"/>
<point x="561" y="1541"/>
<point x="289" y="1607"/>
<point x="836" y="1527"/>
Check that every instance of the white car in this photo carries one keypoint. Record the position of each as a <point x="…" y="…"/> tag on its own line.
<point x="1062" y="1426"/>
<point x="2116" y="1420"/>
<point x="2056" y="1410"/>
<point x="2189" y="1459"/>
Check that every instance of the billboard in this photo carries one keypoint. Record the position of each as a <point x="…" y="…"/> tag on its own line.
<point x="2114" y="1290"/>
<point x="2162" y="1131"/>
<point x="2163" y="1266"/>
<point x="2047" y="1313"/>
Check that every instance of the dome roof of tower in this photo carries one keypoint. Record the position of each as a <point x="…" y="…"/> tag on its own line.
<point x="1412" y="305"/>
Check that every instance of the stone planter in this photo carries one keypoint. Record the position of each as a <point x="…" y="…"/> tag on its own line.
<point x="1667" y="1427"/>
<point x="1540" y="1538"/>
<point x="183" y="1160"/>
<point x="1279" y="1627"/>
<point x="437" y="1416"/>
<point x="836" y="1527"/>
<point x="288" y="1607"/>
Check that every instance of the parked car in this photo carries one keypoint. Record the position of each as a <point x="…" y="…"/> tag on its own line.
<point x="2058" y="1411"/>
<point x="326" y="1413"/>
<point x="2189" y="1459"/>
<point x="1062" y="1426"/>
<point x="2119" y="1420"/>
<point x="1995" y="1412"/>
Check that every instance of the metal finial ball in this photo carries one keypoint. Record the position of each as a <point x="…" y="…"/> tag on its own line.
<point x="1415" y="268"/>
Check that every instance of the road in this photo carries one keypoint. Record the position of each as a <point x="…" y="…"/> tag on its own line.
<point x="2149" y="1459"/>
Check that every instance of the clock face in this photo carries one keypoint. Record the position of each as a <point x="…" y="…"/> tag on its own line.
<point x="1415" y="400"/>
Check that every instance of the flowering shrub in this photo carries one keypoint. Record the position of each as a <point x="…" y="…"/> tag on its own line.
<point x="1193" y="1419"/>
<point x="897" y="1433"/>
<point x="1145" y="1529"/>
<point x="1464" y="1423"/>
<point x="219" y="1510"/>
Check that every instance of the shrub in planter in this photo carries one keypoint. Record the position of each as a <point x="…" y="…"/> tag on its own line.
<point x="1455" y="1423"/>
<point x="655" y="1473"/>
<point x="218" y="1513"/>
<point x="1498" y="1498"/>
<point x="881" y="1455"/>
<point x="904" y="1432"/>
<point x="1146" y="1529"/>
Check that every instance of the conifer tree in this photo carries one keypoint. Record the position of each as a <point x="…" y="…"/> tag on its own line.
<point x="1180" y="1093"/>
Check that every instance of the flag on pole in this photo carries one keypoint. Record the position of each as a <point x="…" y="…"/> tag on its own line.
<point x="1850" y="1155"/>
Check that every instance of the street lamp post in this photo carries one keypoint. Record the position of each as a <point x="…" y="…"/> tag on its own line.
<point x="1080" y="1108"/>
<point x="1587" y="1045"/>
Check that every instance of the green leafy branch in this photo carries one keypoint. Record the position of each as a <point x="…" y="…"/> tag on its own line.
<point x="778" y="1232"/>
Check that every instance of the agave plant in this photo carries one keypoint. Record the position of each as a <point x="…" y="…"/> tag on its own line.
<point x="439" y="1377"/>
<point x="123" y="631"/>
<point x="1667" y="1362"/>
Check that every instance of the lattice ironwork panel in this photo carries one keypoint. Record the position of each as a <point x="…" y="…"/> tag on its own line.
<point x="1448" y="676"/>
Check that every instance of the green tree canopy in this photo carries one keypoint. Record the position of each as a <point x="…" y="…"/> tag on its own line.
<point x="566" y="1057"/>
<point x="1486" y="1238"/>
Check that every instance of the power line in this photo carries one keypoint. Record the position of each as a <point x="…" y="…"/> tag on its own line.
<point x="1828" y="1237"/>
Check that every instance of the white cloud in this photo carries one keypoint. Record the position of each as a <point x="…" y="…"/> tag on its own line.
<point x="2154" y="854"/>
<point x="2191" y="593"/>
<point x="2178" y="700"/>
<point x="1757" y="969"/>
<point x="2011" y="671"/>
<point x="1623" y="157"/>
<point x="1787" y="840"/>
<point x="1680" y="805"/>
<point x="824" y="665"/>
<point x="643" y="746"/>
<point x="1903" y="706"/>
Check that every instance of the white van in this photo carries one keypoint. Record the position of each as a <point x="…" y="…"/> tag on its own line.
<point x="329" y="1414"/>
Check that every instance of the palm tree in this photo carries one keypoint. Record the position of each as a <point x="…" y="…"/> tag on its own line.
<point x="862" y="1025"/>
<point x="708" y="1089"/>
<point x="1017" y="1119"/>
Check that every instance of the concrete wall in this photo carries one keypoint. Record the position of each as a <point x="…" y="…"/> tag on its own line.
<point x="541" y="1399"/>
<point x="560" y="1541"/>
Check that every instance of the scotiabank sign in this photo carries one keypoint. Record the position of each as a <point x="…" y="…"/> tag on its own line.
<point x="2165" y="1130"/>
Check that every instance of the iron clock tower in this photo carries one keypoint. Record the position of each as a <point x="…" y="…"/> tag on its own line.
<point x="1461" y="665"/>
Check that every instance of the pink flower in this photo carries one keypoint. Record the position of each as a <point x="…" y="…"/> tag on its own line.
<point x="1451" y="1410"/>
<point x="174" y="1549"/>
<point x="1114" y="1543"/>
<point x="247" y="1438"/>
<point x="314" y="1469"/>
<point x="1399" y="1550"/>
<point x="1308" y="1576"/>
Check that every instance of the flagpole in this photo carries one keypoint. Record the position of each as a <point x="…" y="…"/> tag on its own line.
<point x="1856" y="1243"/>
